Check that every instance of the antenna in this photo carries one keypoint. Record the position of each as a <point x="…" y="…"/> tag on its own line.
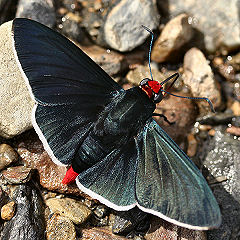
<point x="150" y="49"/>
<point x="194" y="98"/>
<point x="175" y="75"/>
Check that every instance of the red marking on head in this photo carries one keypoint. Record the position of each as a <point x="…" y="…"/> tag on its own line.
<point x="155" y="86"/>
<point x="151" y="87"/>
<point x="70" y="176"/>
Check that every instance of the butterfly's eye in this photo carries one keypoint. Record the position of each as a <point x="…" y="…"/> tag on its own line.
<point x="144" y="82"/>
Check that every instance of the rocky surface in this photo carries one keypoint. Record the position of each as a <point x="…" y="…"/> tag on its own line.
<point x="161" y="229"/>
<point x="219" y="28"/>
<point x="140" y="72"/>
<point x="222" y="161"/>
<point x="34" y="156"/>
<point x="119" y="25"/>
<point x="17" y="175"/>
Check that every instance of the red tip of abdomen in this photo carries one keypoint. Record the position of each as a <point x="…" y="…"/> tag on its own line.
<point x="70" y="176"/>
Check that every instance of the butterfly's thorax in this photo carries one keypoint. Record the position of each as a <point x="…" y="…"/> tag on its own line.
<point x="120" y="120"/>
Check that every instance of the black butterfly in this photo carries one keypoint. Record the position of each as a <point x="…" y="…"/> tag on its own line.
<point x="85" y="119"/>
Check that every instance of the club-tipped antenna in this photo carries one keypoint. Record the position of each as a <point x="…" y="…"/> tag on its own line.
<point x="150" y="49"/>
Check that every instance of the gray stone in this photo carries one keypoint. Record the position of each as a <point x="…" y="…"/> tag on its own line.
<point x="15" y="118"/>
<point x="218" y="20"/>
<point x="71" y="27"/>
<point x="69" y="208"/>
<point x="222" y="161"/>
<point x="198" y="76"/>
<point x="122" y="27"/>
<point x="100" y="211"/>
<point x="28" y="222"/>
<point x="39" y="10"/>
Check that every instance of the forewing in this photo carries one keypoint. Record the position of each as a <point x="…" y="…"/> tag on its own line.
<point x="170" y="186"/>
<point x="112" y="181"/>
<point x="69" y="87"/>
<point x="56" y="69"/>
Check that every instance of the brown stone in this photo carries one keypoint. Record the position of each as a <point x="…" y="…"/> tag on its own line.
<point x="111" y="61"/>
<point x="8" y="211"/>
<point x="17" y="175"/>
<point x="161" y="229"/>
<point x="233" y="130"/>
<point x="175" y="34"/>
<point x="103" y="233"/>
<point x="7" y="155"/>
<point x="69" y="208"/>
<point x="34" y="156"/>
<point x="180" y="111"/>
<point x="198" y="76"/>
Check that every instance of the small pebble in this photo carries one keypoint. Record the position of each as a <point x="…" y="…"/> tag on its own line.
<point x="60" y="228"/>
<point x="8" y="211"/>
<point x="7" y="155"/>
<point x="233" y="130"/>
<point x="236" y="108"/>
<point x="89" y="203"/>
<point x="100" y="211"/>
<point x="17" y="175"/>
<point x="211" y="132"/>
<point x="69" y="208"/>
<point x="192" y="145"/>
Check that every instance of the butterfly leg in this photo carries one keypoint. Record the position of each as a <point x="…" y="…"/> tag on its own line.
<point x="164" y="118"/>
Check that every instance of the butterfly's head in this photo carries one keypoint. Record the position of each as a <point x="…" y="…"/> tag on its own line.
<point x="152" y="89"/>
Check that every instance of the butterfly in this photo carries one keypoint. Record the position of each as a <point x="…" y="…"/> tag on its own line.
<point x="118" y="154"/>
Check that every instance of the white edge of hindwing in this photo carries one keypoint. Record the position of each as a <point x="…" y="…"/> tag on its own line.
<point x="185" y="225"/>
<point x="102" y="199"/>
<point x="36" y="127"/>
<point x="126" y="208"/>
<point x="43" y="139"/>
